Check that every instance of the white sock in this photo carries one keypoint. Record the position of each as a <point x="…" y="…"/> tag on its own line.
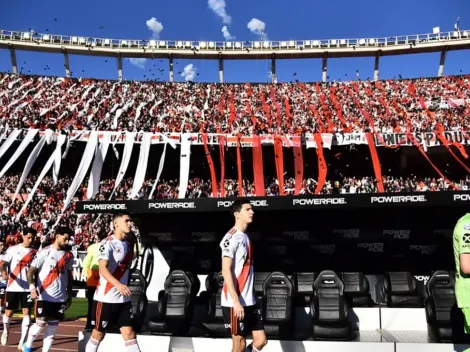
<point x="6" y="323"/>
<point x="34" y="331"/>
<point x="49" y="335"/>
<point x="250" y="348"/>
<point x="25" y="327"/>
<point x="132" y="346"/>
<point x="92" y="345"/>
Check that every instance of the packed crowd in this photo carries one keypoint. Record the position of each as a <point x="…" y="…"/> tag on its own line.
<point x="46" y="206"/>
<point x="385" y="106"/>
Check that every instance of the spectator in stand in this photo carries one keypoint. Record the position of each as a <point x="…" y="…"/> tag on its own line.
<point x="91" y="269"/>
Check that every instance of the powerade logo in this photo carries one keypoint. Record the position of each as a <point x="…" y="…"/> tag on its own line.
<point x="255" y="203"/>
<point x="297" y="235"/>
<point x="371" y="247"/>
<point x="398" y="199"/>
<point x="173" y="205"/>
<point x="347" y="233"/>
<point x="318" y="201"/>
<point x="398" y="234"/>
<point x="447" y="233"/>
<point x="424" y="249"/>
<point x="461" y="197"/>
<point x="203" y="236"/>
<point x="161" y="236"/>
<point x="324" y="248"/>
<point x="422" y="278"/>
<point x="104" y="207"/>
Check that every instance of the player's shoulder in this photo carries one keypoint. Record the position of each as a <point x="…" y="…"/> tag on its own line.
<point x="44" y="250"/>
<point x="463" y="224"/>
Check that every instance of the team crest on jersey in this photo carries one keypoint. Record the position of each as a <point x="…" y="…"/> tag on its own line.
<point x="39" y="310"/>
<point x="104" y="324"/>
<point x="242" y="326"/>
<point x="466" y="227"/>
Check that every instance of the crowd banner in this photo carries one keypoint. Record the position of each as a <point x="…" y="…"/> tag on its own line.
<point x="78" y="274"/>
<point x="426" y="139"/>
<point x="436" y="199"/>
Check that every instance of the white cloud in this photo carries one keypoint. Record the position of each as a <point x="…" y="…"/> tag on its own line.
<point x="226" y="33"/>
<point x="257" y="27"/>
<point x="218" y="6"/>
<point x="140" y="63"/>
<point x="155" y="27"/>
<point x="189" y="72"/>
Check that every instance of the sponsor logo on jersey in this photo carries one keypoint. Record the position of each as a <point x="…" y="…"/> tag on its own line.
<point x="104" y="206"/>
<point x="318" y="201"/>
<point x="398" y="199"/>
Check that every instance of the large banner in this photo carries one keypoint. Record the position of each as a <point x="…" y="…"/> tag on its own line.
<point x="426" y="139"/>
<point x="79" y="276"/>
<point x="339" y="201"/>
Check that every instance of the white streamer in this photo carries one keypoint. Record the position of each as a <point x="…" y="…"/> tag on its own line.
<point x="185" y="157"/>
<point x="11" y="138"/>
<point x="45" y="170"/>
<point x="160" y="169"/>
<point x="24" y="144"/>
<point x="142" y="165"/>
<point x="126" y="157"/>
<point x="95" y="175"/>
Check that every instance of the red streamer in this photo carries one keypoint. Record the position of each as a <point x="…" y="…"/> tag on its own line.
<point x="322" y="168"/>
<point x="299" y="164"/>
<point x="258" y="166"/>
<point x="211" y="166"/>
<point x="239" y="167"/>
<point x="222" y="165"/>
<point x="279" y="160"/>
<point x="375" y="162"/>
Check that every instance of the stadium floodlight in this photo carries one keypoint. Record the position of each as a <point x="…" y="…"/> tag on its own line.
<point x="238" y="45"/>
<point x="26" y="35"/>
<point x="211" y="45"/>
<point x="436" y="30"/>
<point x="266" y="44"/>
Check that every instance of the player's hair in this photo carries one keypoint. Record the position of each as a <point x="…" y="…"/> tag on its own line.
<point x="120" y="215"/>
<point x="63" y="230"/>
<point x="238" y="205"/>
<point x="30" y="230"/>
<point x="102" y="235"/>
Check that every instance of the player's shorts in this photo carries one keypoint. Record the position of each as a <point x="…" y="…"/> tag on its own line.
<point x="466" y="314"/>
<point x="15" y="300"/>
<point x="252" y="321"/>
<point x="46" y="309"/>
<point x="2" y="292"/>
<point x="106" y="316"/>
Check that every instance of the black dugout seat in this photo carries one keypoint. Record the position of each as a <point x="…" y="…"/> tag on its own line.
<point x="277" y="308"/>
<point x="138" y="286"/>
<point x="356" y="289"/>
<point x="303" y="283"/>
<point x="214" y="323"/>
<point x="400" y="290"/>
<point x="439" y="305"/>
<point x="175" y="308"/>
<point x="260" y="277"/>
<point x="330" y="309"/>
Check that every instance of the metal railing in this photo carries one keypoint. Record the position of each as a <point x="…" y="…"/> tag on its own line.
<point x="237" y="46"/>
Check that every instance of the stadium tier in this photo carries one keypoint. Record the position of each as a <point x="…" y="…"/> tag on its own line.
<point x="356" y="188"/>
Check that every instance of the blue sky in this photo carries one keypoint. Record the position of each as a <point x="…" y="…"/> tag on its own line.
<point x="195" y="20"/>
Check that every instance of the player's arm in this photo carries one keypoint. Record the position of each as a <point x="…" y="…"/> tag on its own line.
<point x="87" y="262"/>
<point x="5" y="264"/>
<point x="105" y="253"/>
<point x="462" y="231"/>
<point x="229" y="247"/>
<point x="30" y="275"/>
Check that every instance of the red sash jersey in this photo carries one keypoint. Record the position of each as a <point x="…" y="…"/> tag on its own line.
<point x="119" y="255"/>
<point x="20" y="259"/>
<point x="237" y="245"/>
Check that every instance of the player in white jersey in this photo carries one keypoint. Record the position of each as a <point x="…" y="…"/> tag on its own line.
<point x="239" y="306"/>
<point x="3" y="278"/>
<point x="17" y="260"/>
<point x="53" y="289"/>
<point x="112" y="306"/>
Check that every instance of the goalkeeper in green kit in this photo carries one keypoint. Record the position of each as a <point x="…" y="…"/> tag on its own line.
<point x="462" y="262"/>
